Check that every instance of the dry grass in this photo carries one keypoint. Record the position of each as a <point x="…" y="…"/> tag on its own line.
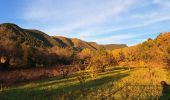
<point x="141" y="84"/>
<point x="14" y="77"/>
<point x="117" y="83"/>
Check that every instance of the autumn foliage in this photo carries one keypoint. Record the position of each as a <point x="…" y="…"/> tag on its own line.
<point x="149" y="53"/>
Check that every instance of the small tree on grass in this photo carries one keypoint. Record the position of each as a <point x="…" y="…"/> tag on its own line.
<point x="65" y="70"/>
<point x="101" y="59"/>
<point x="84" y="57"/>
<point x="119" y="55"/>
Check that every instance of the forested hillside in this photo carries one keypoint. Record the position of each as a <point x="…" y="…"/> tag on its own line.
<point x="23" y="48"/>
<point x="153" y="52"/>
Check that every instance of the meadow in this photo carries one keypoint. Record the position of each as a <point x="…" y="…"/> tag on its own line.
<point x="116" y="83"/>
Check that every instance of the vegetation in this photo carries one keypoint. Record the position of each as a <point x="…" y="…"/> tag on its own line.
<point x="153" y="53"/>
<point x="32" y="48"/>
<point x="81" y="70"/>
<point x="116" y="83"/>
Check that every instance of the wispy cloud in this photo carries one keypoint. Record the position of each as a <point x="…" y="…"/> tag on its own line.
<point x="164" y="3"/>
<point x="74" y="15"/>
<point x="121" y="37"/>
<point x="91" y="19"/>
<point x="151" y="19"/>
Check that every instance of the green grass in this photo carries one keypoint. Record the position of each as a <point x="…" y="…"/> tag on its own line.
<point x="116" y="83"/>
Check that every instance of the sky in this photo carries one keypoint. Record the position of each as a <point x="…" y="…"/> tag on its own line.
<point x="103" y="21"/>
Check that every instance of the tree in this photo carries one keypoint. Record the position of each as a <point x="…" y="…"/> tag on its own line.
<point x="29" y="56"/>
<point x="119" y="55"/>
<point x="65" y="70"/>
<point x="100" y="60"/>
<point x="65" y="55"/>
<point x="84" y="56"/>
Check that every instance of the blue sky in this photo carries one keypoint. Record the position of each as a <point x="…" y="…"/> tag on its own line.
<point x="103" y="21"/>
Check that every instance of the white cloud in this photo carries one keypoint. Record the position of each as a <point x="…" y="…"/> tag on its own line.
<point x="163" y="3"/>
<point x="142" y="24"/>
<point x="90" y="18"/>
<point x="74" y="16"/>
<point x="100" y="31"/>
<point x="118" y="38"/>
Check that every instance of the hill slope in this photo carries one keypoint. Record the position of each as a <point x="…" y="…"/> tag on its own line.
<point x="13" y="34"/>
<point x="80" y="44"/>
<point x="152" y="52"/>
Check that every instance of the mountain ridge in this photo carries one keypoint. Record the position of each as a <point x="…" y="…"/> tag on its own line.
<point x="36" y="38"/>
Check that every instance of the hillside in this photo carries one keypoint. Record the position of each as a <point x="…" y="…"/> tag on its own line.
<point x="30" y="48"/>
<point x="163" y="39"/>
<point x="11" y="33"/>
<point x="74" y="43"/>
<point x="80" y="44"/>
<point x="152" y="52"/>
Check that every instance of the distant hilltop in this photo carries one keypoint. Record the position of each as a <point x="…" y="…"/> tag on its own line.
<point x="12" y="33"/>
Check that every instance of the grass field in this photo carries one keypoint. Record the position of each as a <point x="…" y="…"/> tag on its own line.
<point x="116" y="83"/>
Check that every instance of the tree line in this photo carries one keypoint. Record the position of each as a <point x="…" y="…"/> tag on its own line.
<point x="153" y="52"/>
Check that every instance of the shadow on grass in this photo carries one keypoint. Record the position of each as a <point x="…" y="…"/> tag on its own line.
<point x="45" y="93"/>
<point x="71" y="78"/>
<point x="98" y="82"/>
<point x="119" y="68"/>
